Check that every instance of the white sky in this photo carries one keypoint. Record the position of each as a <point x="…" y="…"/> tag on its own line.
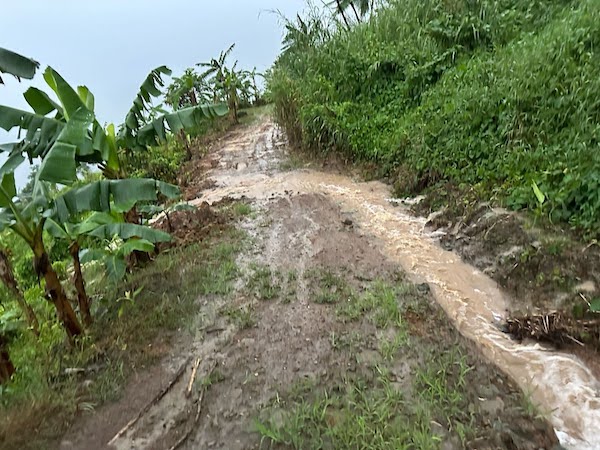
<point x="111" y="45"/>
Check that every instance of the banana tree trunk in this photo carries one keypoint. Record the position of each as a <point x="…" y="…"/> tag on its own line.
<point x="54" y="290"/>
<point x="8" y="277"/>
<point x="233" y="107"/>
<point x="82" y="298"/>
<point x="6" y="366"/>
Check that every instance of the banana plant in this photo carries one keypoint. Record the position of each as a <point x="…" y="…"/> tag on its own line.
<point x="102" y="226"/>
<point x="66" y="133"/>
<point x="187" y="90"/>
<point x="26" y="218"/>
<point x="216" y="68"/>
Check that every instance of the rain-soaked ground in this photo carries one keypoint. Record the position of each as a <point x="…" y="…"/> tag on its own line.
<point x="327" y="251"/>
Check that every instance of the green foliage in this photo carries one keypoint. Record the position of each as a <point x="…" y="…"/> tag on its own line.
<point x="161" y="162"/>
<point x="16" y="65"/>
<point x="501" y="95"/>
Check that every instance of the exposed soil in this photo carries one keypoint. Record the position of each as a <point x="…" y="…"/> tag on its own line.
<point x="321" y="328"/>
<point x="186" y="227"/>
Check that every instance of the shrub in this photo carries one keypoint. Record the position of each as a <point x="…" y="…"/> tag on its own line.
<point x="496" y="94"/>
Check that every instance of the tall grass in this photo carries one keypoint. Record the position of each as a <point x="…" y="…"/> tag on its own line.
<point x="495" y="94"/>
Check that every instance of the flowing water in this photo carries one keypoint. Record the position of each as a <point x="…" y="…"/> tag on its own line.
<point x="561" y="385"/>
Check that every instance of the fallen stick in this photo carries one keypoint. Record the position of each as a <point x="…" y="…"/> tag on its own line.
<point x="188" y="433"/>
<point x="153" y="402"/>
<point x="192" y="378"/>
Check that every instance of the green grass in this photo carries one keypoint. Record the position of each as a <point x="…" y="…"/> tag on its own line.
<point x="370" y="413"/>
<point x="490" y="96"/>
<point x="263" y="283"/>
<point x="243" y="316"/>
<point x="123" y="338"/>
<point x="382" y="302"/>
<point x="329" y="288"/>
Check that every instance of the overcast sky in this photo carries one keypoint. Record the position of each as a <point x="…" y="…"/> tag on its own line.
<point x="111" y="45"/>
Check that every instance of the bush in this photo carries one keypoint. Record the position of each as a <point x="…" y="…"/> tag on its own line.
<point x="161" y="162"/>
<point x="495" y="94"/>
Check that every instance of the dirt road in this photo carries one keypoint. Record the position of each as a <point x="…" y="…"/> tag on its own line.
<point x="333" y="338"/>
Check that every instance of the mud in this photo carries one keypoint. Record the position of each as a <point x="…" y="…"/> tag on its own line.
<point x="541" y="269"/>
<point x="311" y="220"/>
<point x="186" y="227"/>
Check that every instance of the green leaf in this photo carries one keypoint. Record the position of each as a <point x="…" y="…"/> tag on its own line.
<point x="139" y="245"/>
<point x="8" y="190"/>
<point x="99" y="195"/>
<point x="129" y="230"/>
<point x="17" y="65"/>
<point x="12" y="162"/>
<point x="115" y="267"/>
<point x="141" y="104"/>
<point x="41" y="134"/>
<point x="86" y="97"/>
<point x="56" y="230"/>
<point x="59" y="165"/>
<point x="40" y="102"/>
<point x="541" y="198"/>
<point x="595" y="305"/>
<point x="182" y="119"/>
<point x="66" y="94"/>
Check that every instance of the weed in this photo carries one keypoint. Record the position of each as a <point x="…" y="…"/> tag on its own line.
<point x="243" y="317"/>
<point x="241" y="209"/>
<point x="263" y="283"/>
<point x="331" y="287"/>
<point x="381" y="301"/>
<point x="389" y="347"/>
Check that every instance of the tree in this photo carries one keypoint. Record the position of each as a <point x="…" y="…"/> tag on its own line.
<point x="187" y="90"/>
<point x="216" y="69"/>
<point x="67" y="133"/>
<point x="106" y="225"/>
<point x="63" y="135"/>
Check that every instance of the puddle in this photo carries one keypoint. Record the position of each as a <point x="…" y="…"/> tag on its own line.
<point x="562" y="387"/>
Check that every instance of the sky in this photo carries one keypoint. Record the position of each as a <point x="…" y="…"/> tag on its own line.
<point x="111" y="45"/>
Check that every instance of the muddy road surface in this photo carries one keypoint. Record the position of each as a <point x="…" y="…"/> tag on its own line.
<point x="347" y="327"/>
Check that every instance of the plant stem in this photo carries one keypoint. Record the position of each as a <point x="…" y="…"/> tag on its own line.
<point x="82" y="298"/>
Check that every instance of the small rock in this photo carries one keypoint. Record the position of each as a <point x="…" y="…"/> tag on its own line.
<point x="423" y="288"/>
<point x="347" y="222"/>
<point x="492" y="407"/>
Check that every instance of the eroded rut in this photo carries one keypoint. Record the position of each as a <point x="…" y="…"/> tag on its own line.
<point x="301" y="229"/>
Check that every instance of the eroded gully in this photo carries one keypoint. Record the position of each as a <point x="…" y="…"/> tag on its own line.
<point x="561" y="385"/>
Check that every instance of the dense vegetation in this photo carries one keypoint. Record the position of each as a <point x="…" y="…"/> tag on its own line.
<point x="74" y="237"/>
<point x="500" y="96"/>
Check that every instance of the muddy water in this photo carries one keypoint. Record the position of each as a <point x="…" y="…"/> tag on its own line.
<point x="562" y="387"/>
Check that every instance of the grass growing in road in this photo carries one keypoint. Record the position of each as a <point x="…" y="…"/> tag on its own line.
<point x="381" y="302"/>
<point x="375" y="414"/>
<point x="263" y="283"/>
